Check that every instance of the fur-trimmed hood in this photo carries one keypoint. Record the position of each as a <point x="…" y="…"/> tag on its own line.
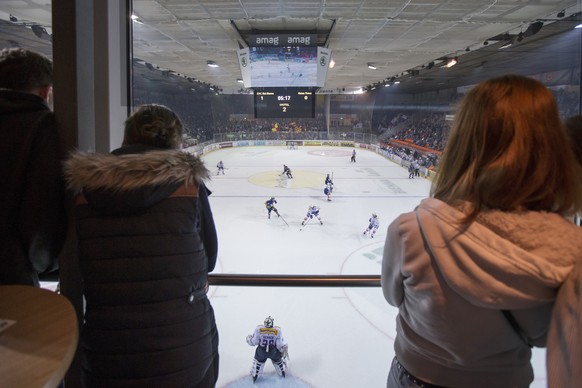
<point x="127" y="183"/>
<point x="87" y="171"/>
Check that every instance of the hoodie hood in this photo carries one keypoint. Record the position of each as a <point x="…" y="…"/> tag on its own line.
<point x="122" y="184"/>
<point x="13" y="102"/>
<point x="503" y="259"/>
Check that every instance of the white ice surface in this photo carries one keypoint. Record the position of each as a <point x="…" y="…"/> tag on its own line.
<point x="338" y="337"/>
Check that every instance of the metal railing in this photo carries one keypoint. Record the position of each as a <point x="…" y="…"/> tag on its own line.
<point x="294" y="280"/>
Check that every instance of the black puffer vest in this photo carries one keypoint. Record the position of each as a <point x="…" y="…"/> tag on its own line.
<point x="148" y="322"/>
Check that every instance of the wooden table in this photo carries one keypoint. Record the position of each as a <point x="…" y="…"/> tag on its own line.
<point x="38" y="349"/>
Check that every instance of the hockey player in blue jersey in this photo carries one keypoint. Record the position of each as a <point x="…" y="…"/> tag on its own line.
<point x="327" y="191"/>
<point x="287" y="171"/>
<point x="313" y="211"/>
<point x="411" y="171"/>
<point x="270" y="344"/>
<point x="374" y="224"/>
<point x="328" y="181"/>
<point x="270" y="205"/>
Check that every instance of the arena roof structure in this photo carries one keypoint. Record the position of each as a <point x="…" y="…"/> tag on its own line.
<point x="373" y="42"/>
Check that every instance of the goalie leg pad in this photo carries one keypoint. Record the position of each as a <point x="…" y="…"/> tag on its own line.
<point x="280" y="367"/>
<point x="257" y="369"/>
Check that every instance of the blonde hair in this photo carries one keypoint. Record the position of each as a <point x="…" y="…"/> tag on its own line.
<point x="508" y="150"/>
<point x="154" y="125"/>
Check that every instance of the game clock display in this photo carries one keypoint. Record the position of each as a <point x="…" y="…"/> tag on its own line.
<point x="284" y="103"/>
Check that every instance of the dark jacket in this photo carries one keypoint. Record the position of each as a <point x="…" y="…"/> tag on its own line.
<point x="146" y="244"/>
<point x="32" y="212"/>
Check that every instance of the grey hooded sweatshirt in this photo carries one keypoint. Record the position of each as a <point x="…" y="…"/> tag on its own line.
<point x="451" y="283"/>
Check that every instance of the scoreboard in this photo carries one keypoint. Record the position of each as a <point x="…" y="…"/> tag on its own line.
<point x="284" y="103"/>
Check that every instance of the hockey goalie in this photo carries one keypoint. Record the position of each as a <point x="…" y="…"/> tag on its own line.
<point x="270" y="344"/>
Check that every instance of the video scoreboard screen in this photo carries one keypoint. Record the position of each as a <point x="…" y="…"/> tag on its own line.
<point x="275" y="67"/>
<point x="284" y="103"/>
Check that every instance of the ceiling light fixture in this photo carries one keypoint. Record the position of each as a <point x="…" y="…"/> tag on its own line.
<point x="240" y="81"/>
<point x="506" y="45"/>
<point x="452" y="62"/>
<point x="331" y="64"/>
<point x="561" y="14"/>
<point x="211" y="64"/>
<point x="371" y="66"/>
<point x="136" y="19"/>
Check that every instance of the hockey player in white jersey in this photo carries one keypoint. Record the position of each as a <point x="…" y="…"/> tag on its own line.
<point x="270" y="344"/>
<point x="313" y="211"/>
<point x="220" y="168"/>
<point x="374" y="224"/>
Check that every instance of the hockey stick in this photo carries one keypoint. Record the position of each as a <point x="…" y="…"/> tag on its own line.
<point x="303" y="226"/>
<point x="283" y="219"/>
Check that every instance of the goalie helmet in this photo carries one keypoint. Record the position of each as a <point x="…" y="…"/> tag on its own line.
<point x="374" y="215"/>
<point x="269" y="321"/>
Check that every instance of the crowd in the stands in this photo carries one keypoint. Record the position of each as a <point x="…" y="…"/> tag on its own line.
<point x="429" y="130"/>
<point x="270" y="125"/>
<point x="417" y="136"/>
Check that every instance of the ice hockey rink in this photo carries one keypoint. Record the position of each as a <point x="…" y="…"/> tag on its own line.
<point x="338" y="337"/>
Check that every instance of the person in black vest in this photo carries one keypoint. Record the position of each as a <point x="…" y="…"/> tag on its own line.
<point x="147" y="242"/>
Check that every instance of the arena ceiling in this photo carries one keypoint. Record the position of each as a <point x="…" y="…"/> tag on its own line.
<point x="406" y="40"/>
